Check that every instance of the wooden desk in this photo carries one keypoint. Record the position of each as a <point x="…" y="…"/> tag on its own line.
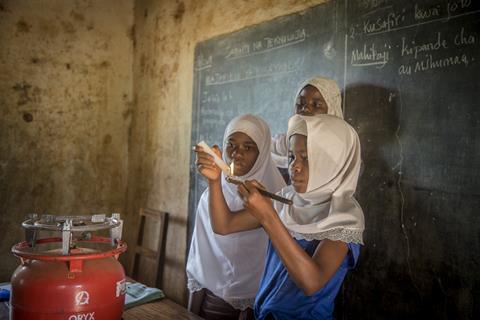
<point x="3" y="311"/>
<point x="158" y="310"/>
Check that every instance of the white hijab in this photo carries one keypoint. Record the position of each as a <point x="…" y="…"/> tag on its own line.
<point x="328" y="209"/>
<point x="331" y="94"/>
<point x="329" y="91"/>
<point x="231" y="266"/>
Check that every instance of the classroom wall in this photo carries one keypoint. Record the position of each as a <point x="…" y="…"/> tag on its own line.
<point x="65" y="108"/>
<point x="166" y="33"/>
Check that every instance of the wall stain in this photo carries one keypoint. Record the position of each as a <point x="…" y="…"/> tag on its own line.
<point x="175" y="68"/>
<point x="48" y="29"/>
<point x="142" y="62"/>
<point x="27" y="117"/>
<point x="77" y="16"/>
<point x="107" y="139"/>
<point x="179" y="12"/>
<point x="36" y="95"/>
<point x="131" y="34"/>
<point x="23" y="94"/>
<point x="68" y="27"/>
<point x="37" y="191"/>
<point x="23" y="26"/>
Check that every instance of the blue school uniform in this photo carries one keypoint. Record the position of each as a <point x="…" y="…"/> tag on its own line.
<point x="279" y="296"/>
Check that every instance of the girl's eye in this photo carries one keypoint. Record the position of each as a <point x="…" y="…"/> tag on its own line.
<point x="247" y="148"/>
<point x="290" y="158"/>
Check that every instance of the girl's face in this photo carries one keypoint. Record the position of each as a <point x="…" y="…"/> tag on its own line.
<point x="310" y="102"/>
<point x="298" y="162"/>
<point x="243" y="151"/>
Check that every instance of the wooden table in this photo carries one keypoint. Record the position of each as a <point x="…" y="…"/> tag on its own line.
<point x="3" y="311"/>
<point x="158" y="310"/>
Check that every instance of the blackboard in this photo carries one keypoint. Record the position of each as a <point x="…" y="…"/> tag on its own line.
<point x="410" y="75"/>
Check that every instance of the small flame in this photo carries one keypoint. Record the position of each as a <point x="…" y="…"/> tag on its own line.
<point x="232" y="169"/>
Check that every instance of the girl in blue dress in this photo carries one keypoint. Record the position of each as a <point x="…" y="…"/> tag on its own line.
<point x="313" y="242"/>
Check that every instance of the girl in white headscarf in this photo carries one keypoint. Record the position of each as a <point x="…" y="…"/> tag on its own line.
<point x="229" y="267"/>
<point x="316" y="240"/>
<point x="317" y="95"/>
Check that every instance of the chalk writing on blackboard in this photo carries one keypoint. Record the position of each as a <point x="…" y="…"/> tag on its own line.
<point x="411" y="48"/>
<point x="393" y="19"/>
<point x="370" y="4"/>
<point x="218" y="97"/>
<point x="266" y="44"/>
<point x="370" y="55"/>
<point x="388" y="22"/>
<point x="254" y="72"/>
<point x="202" y="62"/>
<point x="435" y="54"/>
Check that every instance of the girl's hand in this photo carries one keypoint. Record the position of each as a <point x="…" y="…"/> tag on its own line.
<point x="259" y="206"/>
<point x="205" y="164"/>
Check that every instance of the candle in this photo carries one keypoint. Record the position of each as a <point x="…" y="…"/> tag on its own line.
<point x="218" y="161"/>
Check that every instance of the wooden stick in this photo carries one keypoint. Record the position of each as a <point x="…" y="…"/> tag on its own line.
<point x="262" y="192"/>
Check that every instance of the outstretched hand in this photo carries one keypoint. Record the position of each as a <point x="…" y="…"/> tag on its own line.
<point x="205" y="164"/>
<point x="259" y="206"/>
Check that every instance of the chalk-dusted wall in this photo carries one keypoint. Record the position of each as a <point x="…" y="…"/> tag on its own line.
<point x="166" y="34"/>
<point x="65" y="109"/>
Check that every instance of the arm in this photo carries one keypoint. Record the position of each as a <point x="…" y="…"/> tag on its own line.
<point x="278" y="148"/>
<point x="222" y="219"/>
<point x="309" y="273"/>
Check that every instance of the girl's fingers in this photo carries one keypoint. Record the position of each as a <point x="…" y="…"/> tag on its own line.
<point x="204" y="155"/>
<point x="243" y="190"/>
<point x="200" y="153"/>
<point x="244" y="193"/>
<point x="204" y="158"/>
<point x="258" y="185"/>
<point x="205" y="161"/>
<point x="250" y="186"/>
<point x="202" y="169"/>
<point x="217" y="150"/>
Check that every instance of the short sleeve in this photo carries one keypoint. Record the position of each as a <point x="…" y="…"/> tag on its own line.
<point x="353" y="254"/>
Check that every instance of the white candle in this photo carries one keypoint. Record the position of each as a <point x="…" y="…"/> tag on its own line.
<point x="220" y="163"/>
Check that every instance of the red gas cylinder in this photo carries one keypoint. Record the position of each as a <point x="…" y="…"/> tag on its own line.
<point x="75" y="277"/>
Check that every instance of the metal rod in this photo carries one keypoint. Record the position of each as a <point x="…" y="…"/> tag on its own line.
<point x="262" y="192"/>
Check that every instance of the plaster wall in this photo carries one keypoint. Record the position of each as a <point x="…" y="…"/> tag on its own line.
<point x="66" y="92"/>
